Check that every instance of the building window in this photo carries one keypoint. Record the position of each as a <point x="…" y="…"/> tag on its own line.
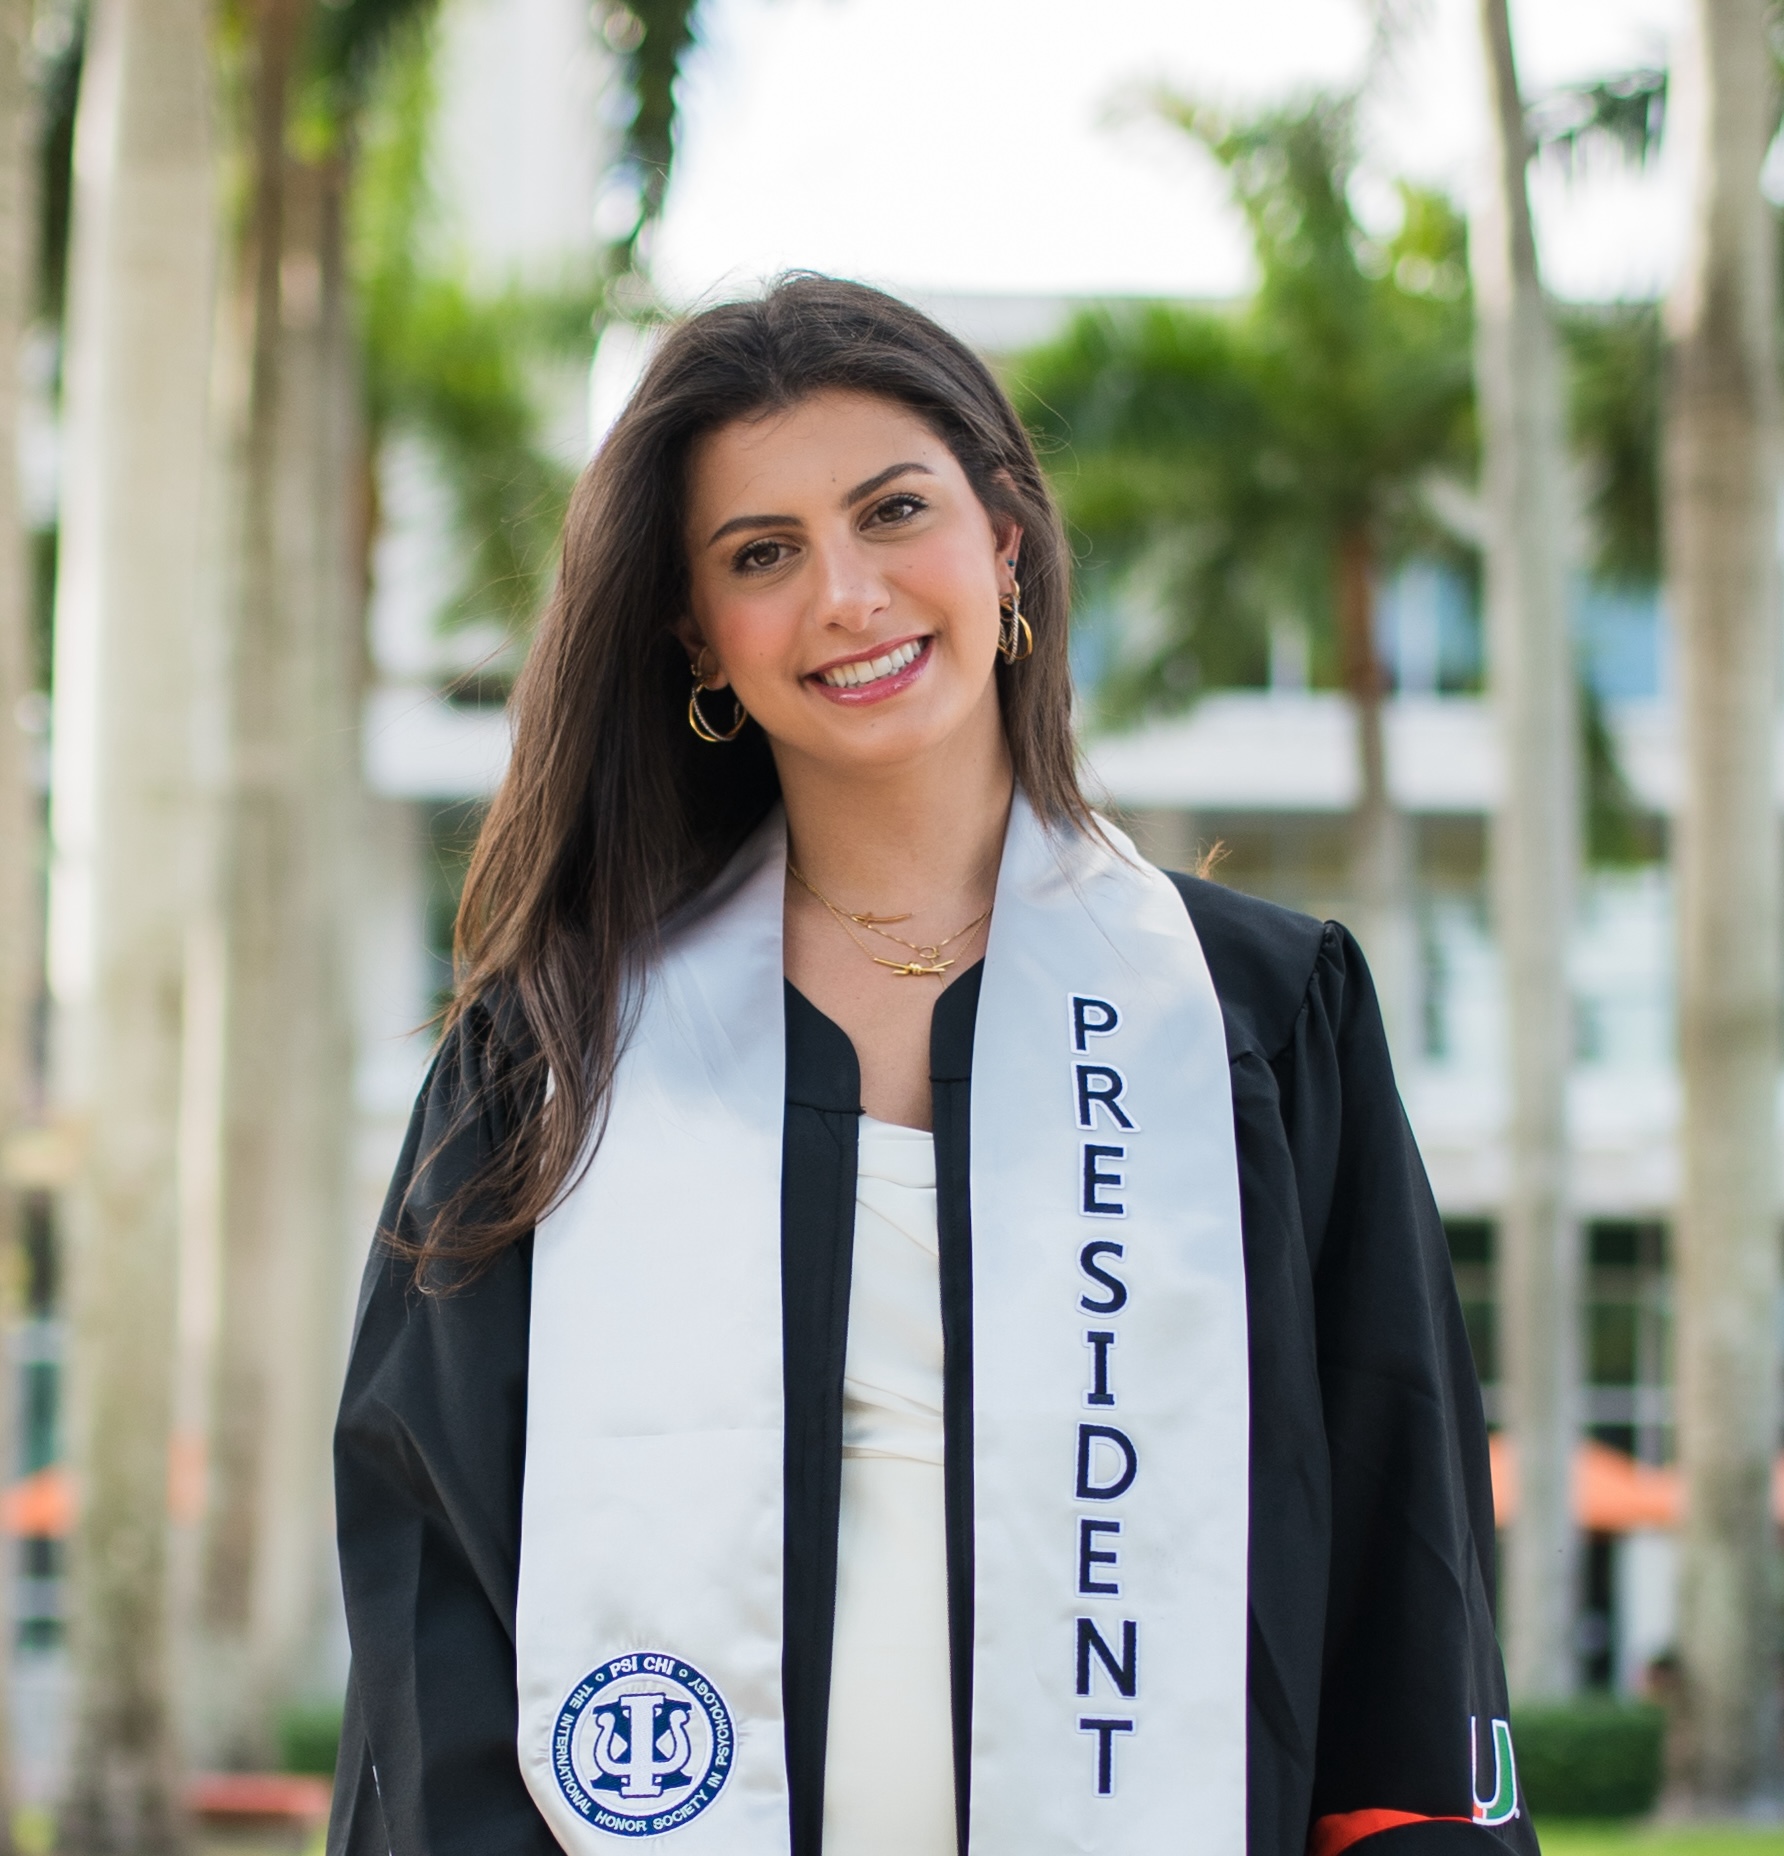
<point x="1628" y="1338"/>
<point x="1472" y="1257"/>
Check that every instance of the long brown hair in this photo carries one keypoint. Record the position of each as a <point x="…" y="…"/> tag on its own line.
<point x="612" y="813"/>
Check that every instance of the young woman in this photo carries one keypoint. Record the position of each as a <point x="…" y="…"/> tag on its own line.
<point x="899" y="1328"/>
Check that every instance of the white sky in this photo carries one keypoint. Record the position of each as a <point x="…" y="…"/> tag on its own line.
<point x="983" y="145"/>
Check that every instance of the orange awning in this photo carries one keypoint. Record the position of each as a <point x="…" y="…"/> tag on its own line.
<point x="1612" y="1492"/>
<point x="269" y="1796"/>
<point x="41" y="1507"/>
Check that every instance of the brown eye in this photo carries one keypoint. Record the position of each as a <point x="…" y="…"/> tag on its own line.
<point x="895" y="509"/>
<point x="759" y="556"/>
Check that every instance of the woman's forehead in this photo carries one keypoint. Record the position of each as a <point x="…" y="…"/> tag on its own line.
<point x="822" y="444"/>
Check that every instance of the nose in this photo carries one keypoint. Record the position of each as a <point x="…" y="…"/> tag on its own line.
<point x="850" y="594"/>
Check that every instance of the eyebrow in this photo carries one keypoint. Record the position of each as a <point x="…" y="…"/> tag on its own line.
<point x="858" y="494"/>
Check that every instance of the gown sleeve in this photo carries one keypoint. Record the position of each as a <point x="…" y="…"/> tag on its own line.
<point x="1408" y="1760"/>
<point x="429" y="1449"/>
<point x="1374" y="1671"/>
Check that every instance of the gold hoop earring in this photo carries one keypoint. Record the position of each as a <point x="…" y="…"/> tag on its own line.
<point x="1015" y="636"/>
<point x="697" y="722"/>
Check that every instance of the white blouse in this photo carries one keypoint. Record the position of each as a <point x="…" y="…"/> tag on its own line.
<point x="889" y="1770"/>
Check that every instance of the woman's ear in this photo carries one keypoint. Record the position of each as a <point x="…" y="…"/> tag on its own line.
<point x="1009" y="548"/>
<point x="687" y="635"/>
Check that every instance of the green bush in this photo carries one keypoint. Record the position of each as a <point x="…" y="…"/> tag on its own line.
<point x="310" y="1738"/>
<point x="1589" y="1759"/>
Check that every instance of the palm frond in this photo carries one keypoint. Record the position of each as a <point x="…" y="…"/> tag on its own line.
<point x="349" y="37"/>
<point x="1210" y="460"/>
<point x="455" y="364"/>
<point x="1615" y="357"/>
<point x="653" y="39"/>
<point x="1625" y="114"/>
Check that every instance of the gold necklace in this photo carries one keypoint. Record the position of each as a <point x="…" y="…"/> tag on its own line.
<point x="926" y="963"/>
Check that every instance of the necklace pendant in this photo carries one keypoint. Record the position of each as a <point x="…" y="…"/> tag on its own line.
<point x="925" y="963"/>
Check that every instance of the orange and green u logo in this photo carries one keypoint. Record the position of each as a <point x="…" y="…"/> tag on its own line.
<point x="1502" y="1805"/>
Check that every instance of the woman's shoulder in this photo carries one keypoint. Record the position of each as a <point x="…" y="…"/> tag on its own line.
<point x="1262" y="958"/>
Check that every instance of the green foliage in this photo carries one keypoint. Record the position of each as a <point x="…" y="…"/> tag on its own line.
<point x="310" y="1738"/>
<point x="653" y="38"/>
<point x="1618" y="831"/>
<point x="1615" y="357"/>
<point x="456" y="365"/>
<point x="1625" y="113"/>
<point x="1212" y="463"/>
<point x="1589" y="1759"/>
<point x="57" y="52"/>
<point x="1163" y="457"/>
<point x="466" y="367"/>
<point x="1564" y="1838"/>
<point x="348" y="39"/>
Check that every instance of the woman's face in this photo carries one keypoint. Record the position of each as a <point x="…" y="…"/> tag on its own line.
<point x="844" y="581"/>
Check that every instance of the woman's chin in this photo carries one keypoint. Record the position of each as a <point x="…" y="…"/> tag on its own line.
<point x="854" y="744"/>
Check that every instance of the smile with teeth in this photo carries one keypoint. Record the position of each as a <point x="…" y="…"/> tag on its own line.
<point x="872" y="669"/>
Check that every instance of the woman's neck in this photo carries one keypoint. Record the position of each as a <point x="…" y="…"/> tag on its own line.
<point x="913" y="838"/>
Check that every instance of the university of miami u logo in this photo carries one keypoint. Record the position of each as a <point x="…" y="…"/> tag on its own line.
<point x="1501" y="1805"/>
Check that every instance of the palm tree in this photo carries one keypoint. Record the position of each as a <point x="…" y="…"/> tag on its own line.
<point x="1714" y="490"/>
<point x="137" y="375"/>
<point x="20" y="950"/>
<point x="1720" y="530"/>
<point x="1268" y="461"/>
<point x="1535" y="854"/>
<point x="284" y="843"/>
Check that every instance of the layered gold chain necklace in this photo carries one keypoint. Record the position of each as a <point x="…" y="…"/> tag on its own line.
<point x="925" y="962"/>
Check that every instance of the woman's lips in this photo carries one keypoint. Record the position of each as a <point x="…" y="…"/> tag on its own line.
<point x="896" y="676"/>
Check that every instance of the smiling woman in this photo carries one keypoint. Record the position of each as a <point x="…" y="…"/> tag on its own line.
<point x="860" y="628"/>
<point x="899" y="1328"/>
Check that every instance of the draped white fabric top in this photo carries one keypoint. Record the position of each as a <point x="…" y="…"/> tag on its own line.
<point x="1110" y="1399"/>
<point x="889" y="1769"/>
<point x="892" y="1380"/>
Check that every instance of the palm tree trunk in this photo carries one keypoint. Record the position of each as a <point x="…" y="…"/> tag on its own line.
<point x="128" y="590"/>
<point x="287" y="1046"/>
<point x="1535" y="858"/>
<point x="322" y="1254"/>
<point x="1721" y="525"/>
<point x="234" y="1727"/>
<point x="1381" y="854"/>
<point x="20" y="939"/>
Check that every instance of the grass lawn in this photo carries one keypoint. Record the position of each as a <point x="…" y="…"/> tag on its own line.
<point x="1565" y="1837"/>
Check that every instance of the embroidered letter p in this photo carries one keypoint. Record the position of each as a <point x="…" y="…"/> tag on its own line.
<point x="1091" y="1018"/>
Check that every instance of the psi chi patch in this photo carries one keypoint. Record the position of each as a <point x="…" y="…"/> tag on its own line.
<point x="642" y="1745"/>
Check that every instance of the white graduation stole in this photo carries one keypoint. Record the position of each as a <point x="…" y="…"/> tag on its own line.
<point x="1110" y="1397"/>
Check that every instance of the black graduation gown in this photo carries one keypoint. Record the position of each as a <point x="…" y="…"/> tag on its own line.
<point x="1371" y="1554"/>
